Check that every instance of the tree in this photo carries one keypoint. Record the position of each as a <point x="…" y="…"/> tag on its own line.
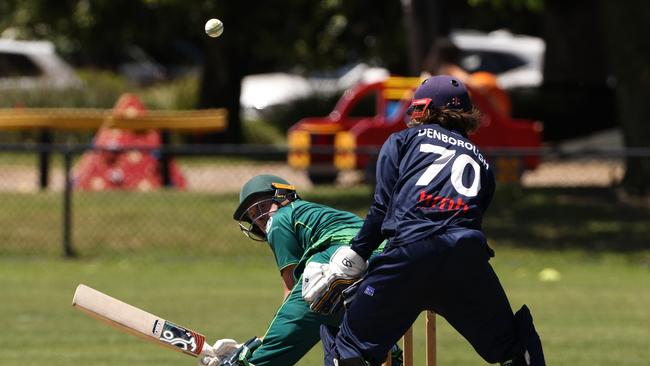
<point x="317" y="35"/>
<point x="423" y="26"/>
<point x="259" y="37"/>
<point x="588" y="42"/>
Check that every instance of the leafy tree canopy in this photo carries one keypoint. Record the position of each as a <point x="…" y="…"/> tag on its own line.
<point x="315" y="34"/>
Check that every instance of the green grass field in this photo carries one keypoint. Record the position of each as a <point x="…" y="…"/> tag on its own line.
<point x="596" y="314"/>
<point x="180" y="256"/>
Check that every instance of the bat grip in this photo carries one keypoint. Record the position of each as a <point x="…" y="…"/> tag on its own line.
<point x="207" y="350"/>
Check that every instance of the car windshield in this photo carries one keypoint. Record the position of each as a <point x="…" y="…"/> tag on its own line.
<point x="15" y="65"/>
<point x="490" y="61"/>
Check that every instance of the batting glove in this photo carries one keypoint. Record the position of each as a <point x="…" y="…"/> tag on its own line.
<point x="222" y="350"/>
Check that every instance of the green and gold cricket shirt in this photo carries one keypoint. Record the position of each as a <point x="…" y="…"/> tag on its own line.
<point x="300" y="229"/>
<point x="297" y="233"/>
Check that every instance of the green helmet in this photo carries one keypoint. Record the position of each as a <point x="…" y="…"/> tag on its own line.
<point x="264" y="188"/>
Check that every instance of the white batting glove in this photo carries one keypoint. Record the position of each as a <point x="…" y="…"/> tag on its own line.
<point x="220" y="352"/>
<point x="345" y="267"/>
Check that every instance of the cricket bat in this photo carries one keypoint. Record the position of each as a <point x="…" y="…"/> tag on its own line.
<point x="138" y="322"/>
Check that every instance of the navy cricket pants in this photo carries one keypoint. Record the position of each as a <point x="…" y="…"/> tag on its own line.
<point x="449" y="274"/>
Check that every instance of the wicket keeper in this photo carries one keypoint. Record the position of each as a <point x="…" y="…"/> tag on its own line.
<point x="433" y="187"/>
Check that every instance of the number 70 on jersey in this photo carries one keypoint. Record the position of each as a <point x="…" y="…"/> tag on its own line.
<point x="457" y="168"/>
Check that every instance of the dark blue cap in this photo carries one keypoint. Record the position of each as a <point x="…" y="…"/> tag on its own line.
<point x="444" y="92"/>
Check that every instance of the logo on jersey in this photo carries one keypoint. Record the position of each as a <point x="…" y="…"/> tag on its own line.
<point x="442" y="203"/>
<point x="369" y="290"/>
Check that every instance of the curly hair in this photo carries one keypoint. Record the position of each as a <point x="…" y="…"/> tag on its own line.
<point x="451" y="119"/>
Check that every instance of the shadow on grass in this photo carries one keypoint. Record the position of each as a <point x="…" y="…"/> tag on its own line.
<point x="541" y="218"/>
<point x="567" y="218"/>
<point x="354" y="199"/>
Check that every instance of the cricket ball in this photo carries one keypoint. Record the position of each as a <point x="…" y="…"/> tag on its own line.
<point x="213" y="27"/>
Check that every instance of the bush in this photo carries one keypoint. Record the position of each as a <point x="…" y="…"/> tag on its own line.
<point x="182" y="93"/>
<point x="99" y="90"/>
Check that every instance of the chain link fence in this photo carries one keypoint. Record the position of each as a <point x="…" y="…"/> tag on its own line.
<point x="567" y="201"/>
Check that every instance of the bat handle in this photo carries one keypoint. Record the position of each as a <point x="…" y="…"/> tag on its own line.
<point x="207" y="350"/>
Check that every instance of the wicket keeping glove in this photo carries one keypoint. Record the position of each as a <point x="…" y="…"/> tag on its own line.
<point x="324" y="292"/>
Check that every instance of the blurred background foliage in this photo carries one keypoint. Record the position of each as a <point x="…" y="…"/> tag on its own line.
<point x="313" y="34"/>
<point x="592" y="80"/>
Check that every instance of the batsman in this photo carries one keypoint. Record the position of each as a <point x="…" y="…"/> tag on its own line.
<point x="433" y="187"/>
<point x="303" y="236"/>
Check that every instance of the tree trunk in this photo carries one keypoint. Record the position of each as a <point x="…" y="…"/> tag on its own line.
<point x="225" y="65"/>
<point x="628" y="43"/>
<point x="576" y="68"/>
<point x="221" y="88"/>
<point x="422" y="28"/>
<point x="575" y="52"/>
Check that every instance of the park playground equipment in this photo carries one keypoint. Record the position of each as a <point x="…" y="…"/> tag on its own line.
<point x="363" y="118"/>
<point x="126" y="150"/>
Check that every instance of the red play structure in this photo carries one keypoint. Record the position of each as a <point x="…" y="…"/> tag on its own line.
<point x="125" y="169"/>
<point x="367" y="114"/>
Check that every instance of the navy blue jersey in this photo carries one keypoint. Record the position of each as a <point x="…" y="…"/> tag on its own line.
<point x="429" y="179"/>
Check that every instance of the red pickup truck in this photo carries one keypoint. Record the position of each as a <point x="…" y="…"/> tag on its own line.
<point x="351" y="135"/>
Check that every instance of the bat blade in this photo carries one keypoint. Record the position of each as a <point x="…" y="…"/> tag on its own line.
<point x="138" y="322"/>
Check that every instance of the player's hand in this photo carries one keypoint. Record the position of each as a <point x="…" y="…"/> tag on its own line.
<point x="221" y="351"/>
<point x="345" y="268"/>
<point x="243" y="353"/>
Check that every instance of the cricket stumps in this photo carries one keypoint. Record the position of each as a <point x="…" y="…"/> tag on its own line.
<point x="430" y="340"/>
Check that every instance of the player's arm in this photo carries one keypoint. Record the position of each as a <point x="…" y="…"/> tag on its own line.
<point x="287" y="279"/>
<point x="326" y="283"/>
<point x="286" y="248"/>
<point x="371" y="236"/>
<point x="226" y="352"/>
